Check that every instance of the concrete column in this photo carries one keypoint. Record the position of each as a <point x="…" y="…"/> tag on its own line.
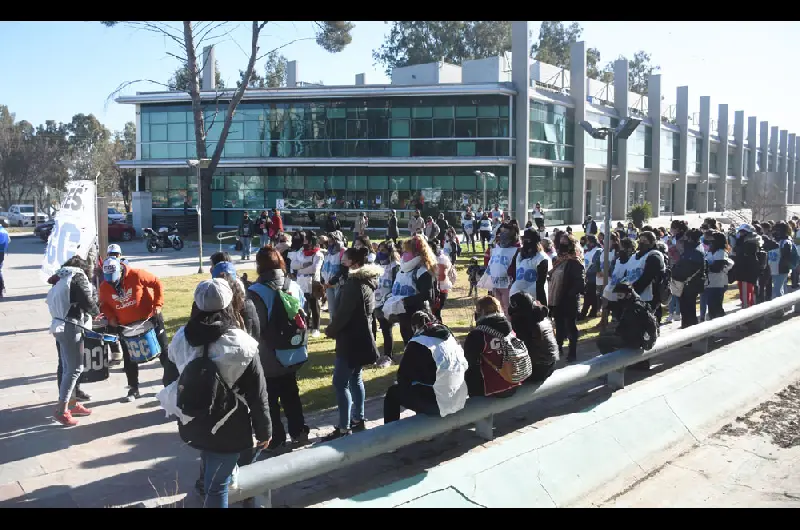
<point x="738" y="158"/>
<point x="521" y="77"/>
<point x="577" y="89"/>
<point x="752" y="132"/>
<point x="619" y="206"/>
<point x="763" y="146"/>
<point x="796" y="169"/>
<point x="291" y="74"/>
<point x="791" y="164"/>
<point x="654" y="112"/>
<point x="722" y="163"/>
<point x="774" y="133"/>
<point x="701" y="199"/>
<point x="783" y="145"/>
<point x="208" y="76"/>
<point x="682" y="108"/>
<point x="142" y="208"/>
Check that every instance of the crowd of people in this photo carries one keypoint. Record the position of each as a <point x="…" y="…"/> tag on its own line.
<point x="231" y="372"/>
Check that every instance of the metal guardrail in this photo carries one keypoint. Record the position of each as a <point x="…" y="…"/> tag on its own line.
<point x="222" y="236"/>
<point x="260" y="478"/>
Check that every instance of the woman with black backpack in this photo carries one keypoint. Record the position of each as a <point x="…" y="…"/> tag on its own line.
<point x="689" y="277"/>
<point x="220" y="397"/>
<point x="351" y="327"/>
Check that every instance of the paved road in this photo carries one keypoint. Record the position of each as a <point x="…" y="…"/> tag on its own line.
<point x="752" y="462"/>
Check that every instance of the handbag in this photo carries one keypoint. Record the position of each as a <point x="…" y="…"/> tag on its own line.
<point x="676" y="286"/>
<point x="485" y="282"/>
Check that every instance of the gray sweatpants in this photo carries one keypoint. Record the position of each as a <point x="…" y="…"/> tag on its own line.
<point x="71" y="353"/>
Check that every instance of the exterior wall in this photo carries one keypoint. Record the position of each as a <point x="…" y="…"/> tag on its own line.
<point x="654" y="112"/>
<point x="578" y="93"/>
<point x="619" y="185"/>
<point x="722" y="160"/>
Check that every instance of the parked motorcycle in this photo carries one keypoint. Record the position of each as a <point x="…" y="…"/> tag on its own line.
<point x="164" y="238"/>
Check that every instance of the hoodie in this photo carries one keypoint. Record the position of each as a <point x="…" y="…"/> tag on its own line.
<point x="74" y="299"/>
<point x="473" y="350"/>
<point x="351" y="324"/>
<point x="536" y="331"/>
<point x="747" y="267"/>
<point x="235" y="355"/>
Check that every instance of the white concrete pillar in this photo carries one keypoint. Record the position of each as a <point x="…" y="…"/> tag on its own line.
<point x="208" y="68"/>
<point x="763" y="146"/>
<point x="701" y="196"/>
<point x="738" y="158"/>
<point x="783" y="147"/>
<point x="752" y="143"/>
<point x="619" y="206"/>
<point x="722" y="160"/>
<point x="521" y="77"/>
<point x="577" y="84"/>
<point x="654" y="113"/>
<point x="682" y="108"/>
<point x="791" y="166"/>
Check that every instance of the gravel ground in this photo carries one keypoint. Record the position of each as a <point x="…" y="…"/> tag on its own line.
<point x="778" y="419"/>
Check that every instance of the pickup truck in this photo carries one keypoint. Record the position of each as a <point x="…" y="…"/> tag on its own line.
<point x="22" y="215"/>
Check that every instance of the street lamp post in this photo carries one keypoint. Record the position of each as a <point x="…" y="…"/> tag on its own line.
<point x="203" y="163"/>
<point x="483" y="175"/>
<point x="621" y="132"/>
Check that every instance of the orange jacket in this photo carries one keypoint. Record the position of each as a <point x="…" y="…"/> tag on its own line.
<point x="143" y="293"/>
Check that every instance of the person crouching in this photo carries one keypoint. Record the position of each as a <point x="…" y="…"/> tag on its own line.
<point x="530" y="323"/>
<point x="430" y="379"/>
<point x="637" y="327"/>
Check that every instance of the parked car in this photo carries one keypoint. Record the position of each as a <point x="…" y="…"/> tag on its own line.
<point x="22" y="215"/>
<point x="116" y="215"/>
<point x="116" y="231"/>
<point x="4" y="218"/>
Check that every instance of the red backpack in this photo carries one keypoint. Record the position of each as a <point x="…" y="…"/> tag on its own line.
<point x="505" y="362"/>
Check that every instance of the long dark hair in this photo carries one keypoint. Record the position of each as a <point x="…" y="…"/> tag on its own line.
<point x="227" y="317"/>
<point x="80" y="263"/>
<point x="357" y="256"/>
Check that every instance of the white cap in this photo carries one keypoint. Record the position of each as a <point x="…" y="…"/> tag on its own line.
<point x="213" y="295"/>
<point x="113" y="248"/>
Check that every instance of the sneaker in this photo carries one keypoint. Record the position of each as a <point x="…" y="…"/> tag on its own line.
<point x="302" y="438"/>
<point x="384" y="362"/>
<point x="133" y="395"/>
<point x="336" y="434"/>
<point x="315" y="334"/>
<point x="668" y="320"/>
<point x="79" y="410"/>
<point x="358" y="426"/>
<point x="677" y="317"/>
<point x="80" y="395"/>
<point x="65" y="419"/>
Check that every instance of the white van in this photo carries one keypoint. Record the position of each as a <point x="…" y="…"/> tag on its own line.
<point x="22" y="215"/>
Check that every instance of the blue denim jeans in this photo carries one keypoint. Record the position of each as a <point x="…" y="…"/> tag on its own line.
<point x="778" y="284"/>
<point x="263" y="240"/>
<point x="246" y="244"/>
<point x="217" y="470"/>
<point x="703" y="304"/>
<point x="70" y="351"/>
<point x="349" y="392"/>
<point x="674" y="305"/>
<point x="331" y="293"/>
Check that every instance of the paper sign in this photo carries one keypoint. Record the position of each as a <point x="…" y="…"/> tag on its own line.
<point x="378" y="199"/>
<point x="279" y="204"/>
<point x="75" y="228"/>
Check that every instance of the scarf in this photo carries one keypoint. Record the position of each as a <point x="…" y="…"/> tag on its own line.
<point x="410" y="265"/>
<point x="310" y="251"/>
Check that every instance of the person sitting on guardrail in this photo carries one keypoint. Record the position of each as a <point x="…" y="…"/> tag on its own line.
<point x="637" y="327"/>
<point x="430" y="379"/>
<point x="498" y="361"/>
<point x="128" y="296"/>
<point x="72" y="302"/>
<point x="529" y="321"/>
<point x="220" y="395"/>
<point x="351" y="327"/>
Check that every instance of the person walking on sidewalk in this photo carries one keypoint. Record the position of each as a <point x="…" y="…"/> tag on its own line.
<point x="392" y="231"/>
<point x="245" y="233"/>
<point x="129" y="296"/>
<point x="72" y="302"/>
<point x="4" y="241"/>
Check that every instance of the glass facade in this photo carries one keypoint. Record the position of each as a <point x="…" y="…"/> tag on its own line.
<point x="596" y="151"/>
<point x="760" y="161"/>
<point x="375" y="127"/>
<point x="746" y="162"/>
<point x="730" y="163"/>
<point x="713" y="160"/>
<point x="691" y="197"/>
<point x="640" y="148"/>
<point x="326" y="188"/>
<point x="552" y="187"/>
<point x="637" y="193"/>
<point x="552" y="130"/>
<point x="667" y="195"/>
<point x="670" y="150"/>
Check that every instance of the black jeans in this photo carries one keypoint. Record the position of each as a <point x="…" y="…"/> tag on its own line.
<point x="567" y="327"/>
<point x="470" y="240"/>
<point x="438" y="311"/>
<point x="688" y="307"/>
<point x="406" y="331"/>
<point x="485" y="237"/>
<point x="312" y="304"/>
<point x="282" y="391"/>
<point x="2" y="283"/>
<point x="656" y="309"/>
<point x="388" y="340"/>
<point x="590" y="303"/>
<point x="420" y="399"/>
<point x="132" y="369"/>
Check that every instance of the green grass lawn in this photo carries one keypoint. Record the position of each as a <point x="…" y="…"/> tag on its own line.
<point x="314" y="378"/>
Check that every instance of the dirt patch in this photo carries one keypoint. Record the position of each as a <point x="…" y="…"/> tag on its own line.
<point x="778" y="418"/>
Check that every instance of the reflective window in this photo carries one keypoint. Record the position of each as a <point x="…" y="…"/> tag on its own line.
<point x="552" y="187"/>
<point x="640" y="148"/>
<point x="596" y="151"/>
<point x="552" y="131"/>
<point x="670" y="150"/>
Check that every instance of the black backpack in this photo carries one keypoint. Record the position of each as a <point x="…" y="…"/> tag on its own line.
<point x="201" y="390"/>
<point x="645" y="323"/>
<point x="436" y="302"/>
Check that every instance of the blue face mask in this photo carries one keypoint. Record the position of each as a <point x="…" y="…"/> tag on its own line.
<point x="382" y="258"/>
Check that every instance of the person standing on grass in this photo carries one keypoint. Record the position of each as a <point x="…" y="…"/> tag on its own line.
<point x="221" y="437"/>
<point x="263" y="225"/>
<point x="72" y="302"/>
<point x="468" y="222"/>
<point x="430" y="379"/>
<point x="351" y="328"/>
<point x="416" y="225"/>
<point x="485" y="230"/>
<point x="442" y="277"/>
<point x="431" y="229"/>
<point x="129" y="296"/>
<point x="361" y="225"/>
<point x="645" y="270"/>
<point x="691" y="269"/>
<point x="507" y="245"/>
<point x="389" y="259"/>
<point x="392" y="231"/>
<point x="566" y="283"/>
<point x="444" y="226"/>
<point x="529" y="268"/>
<point x="245" y="233"/>
<point x="747" y="245"/>
<point x="308" y="264"/>
<point x="282" y="389"/>
<point x="332" y="273"/>
<point x="675" y="243"/>
<point x="4" y="241"/>
<point x="718" y="266"/>
<point x="591" y="262"/>
<point x="538" y="216"/>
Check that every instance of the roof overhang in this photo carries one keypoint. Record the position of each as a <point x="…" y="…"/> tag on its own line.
<point x="332" y="92"/>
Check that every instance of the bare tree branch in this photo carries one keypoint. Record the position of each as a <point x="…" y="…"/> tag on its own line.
<point x="285" y="45"/>
<point x="125" y="85"/>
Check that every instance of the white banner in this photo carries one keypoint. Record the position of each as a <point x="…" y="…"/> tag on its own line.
<point x="75" y="228"/>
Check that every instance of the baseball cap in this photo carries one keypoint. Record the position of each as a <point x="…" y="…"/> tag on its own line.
<point x="223" y="267"/>
<point x="213" y="295"/>
<point x="113" y="248"/>
<point x="112" y="270"/>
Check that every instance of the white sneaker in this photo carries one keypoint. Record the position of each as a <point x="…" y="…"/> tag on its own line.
<point x="668" y="320"/>
<point x="384" y="362"/>
<point x="677" y="317"/>
<point x="315" y="334"/>
<point x="235" y="478"/>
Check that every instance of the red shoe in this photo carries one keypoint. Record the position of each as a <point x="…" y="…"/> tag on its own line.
<point x="65" y="419"/>
<point x="79" y="410"/>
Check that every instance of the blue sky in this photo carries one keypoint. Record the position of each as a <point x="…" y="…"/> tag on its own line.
<point x="65" y="68"/>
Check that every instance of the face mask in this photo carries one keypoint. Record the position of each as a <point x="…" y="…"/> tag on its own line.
<point x="563" y="249"/>
<point x="407" y="256"/>
<point x="416" y="216"/>
<point x="382" y="258"/>
<point x="706" y="246"/>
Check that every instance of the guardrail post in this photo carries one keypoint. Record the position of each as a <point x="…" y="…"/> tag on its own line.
<point x="264" y="500"/>
<point x="485" y="428"/>
<point x="700" y="346"/>
<point x="797" y="309"/>
<point x="616" y="380"/>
